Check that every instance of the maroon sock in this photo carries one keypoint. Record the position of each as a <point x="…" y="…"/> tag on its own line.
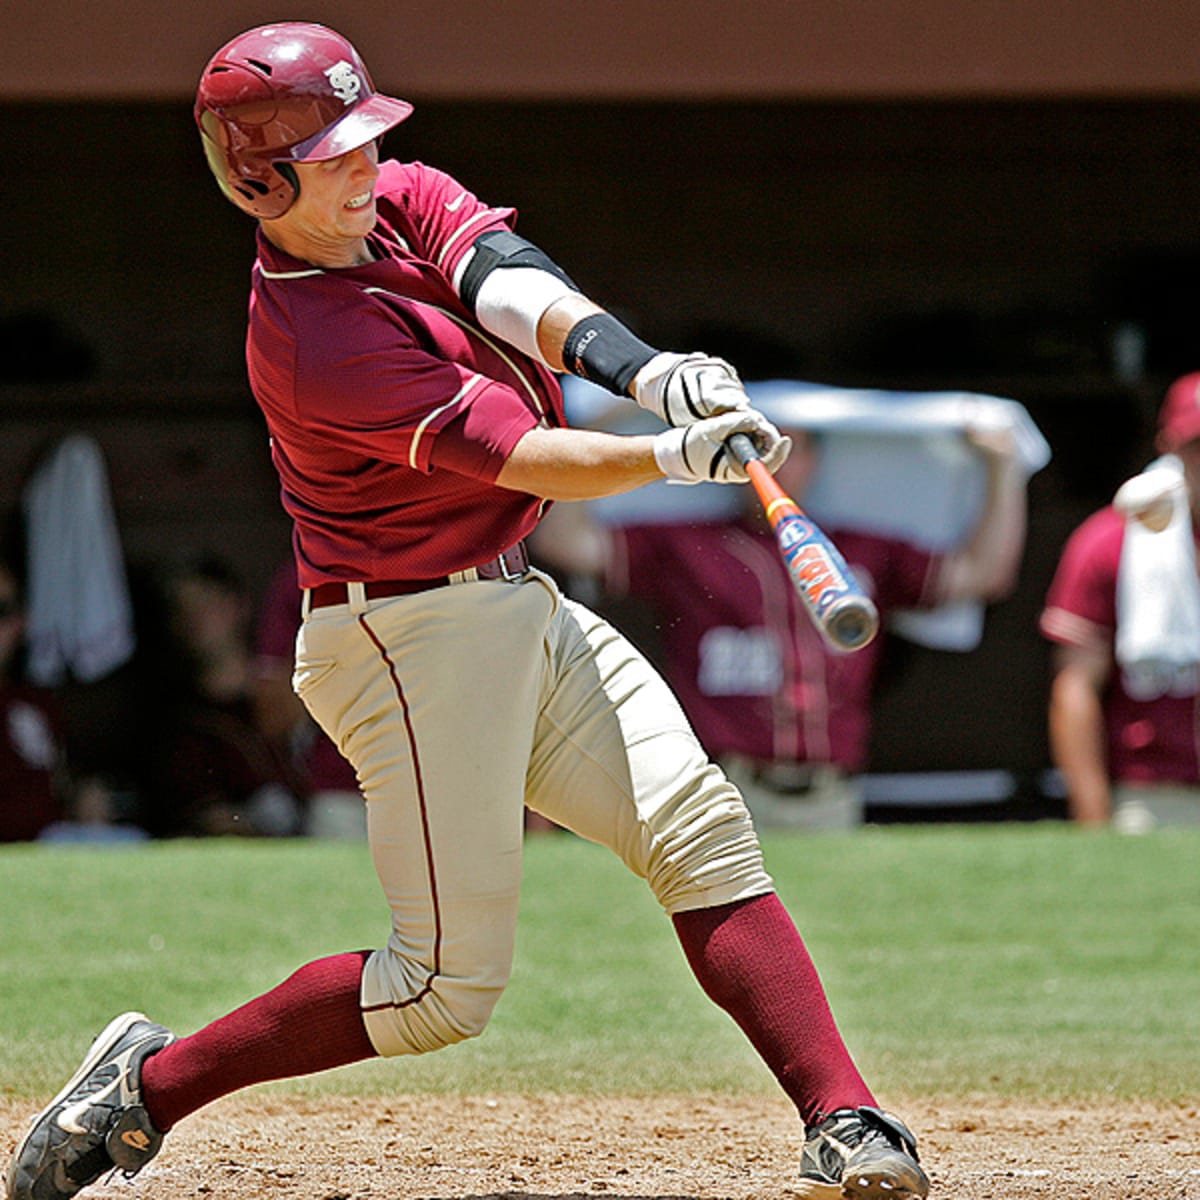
<point x="750" y="959"/>
<point x="310" y="1022"/>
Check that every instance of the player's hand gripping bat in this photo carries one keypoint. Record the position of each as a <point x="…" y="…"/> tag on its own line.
<point x="839" y="607"/>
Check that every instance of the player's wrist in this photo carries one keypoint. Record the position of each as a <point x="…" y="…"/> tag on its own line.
<point x="601" y="349"/>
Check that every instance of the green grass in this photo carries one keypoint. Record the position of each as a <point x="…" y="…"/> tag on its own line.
<point x="1017" y="960"/>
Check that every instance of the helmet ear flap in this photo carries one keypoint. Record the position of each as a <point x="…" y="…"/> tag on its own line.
<point x="262" y="189"/>
<point x="266" y="192"/>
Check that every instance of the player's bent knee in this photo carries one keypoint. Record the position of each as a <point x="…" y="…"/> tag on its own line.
<point x="708" y="852"/>
<point x="440" y="1013"/>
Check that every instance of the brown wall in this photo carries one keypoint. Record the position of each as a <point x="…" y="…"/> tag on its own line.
<point x="148" y="49"/>
<point x="816" y="223"/>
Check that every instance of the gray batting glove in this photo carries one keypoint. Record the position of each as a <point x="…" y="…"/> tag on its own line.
<point x="682" y="388"/>
<point x="697" y="453"/>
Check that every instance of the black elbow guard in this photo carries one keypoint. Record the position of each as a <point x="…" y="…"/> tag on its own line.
<point x="499" y="249"/>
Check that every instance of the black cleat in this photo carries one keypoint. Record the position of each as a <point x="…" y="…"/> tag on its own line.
<point x="861" y="1154"/>
<point x="97" y="1123"/>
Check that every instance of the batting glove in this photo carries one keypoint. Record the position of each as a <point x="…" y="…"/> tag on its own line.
<point x="697" y="453"/>
<point x="682" y="388"/>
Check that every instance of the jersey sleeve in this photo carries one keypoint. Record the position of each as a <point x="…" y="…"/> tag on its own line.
<point x="394" y="398"/>
<point x="1080" y="607"/>
<point x="479" y="438"/>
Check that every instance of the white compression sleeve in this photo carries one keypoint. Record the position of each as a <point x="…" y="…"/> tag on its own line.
<point x="512" y="300"/>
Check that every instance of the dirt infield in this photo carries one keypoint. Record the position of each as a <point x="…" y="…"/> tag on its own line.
<point x="673" y="1148"/>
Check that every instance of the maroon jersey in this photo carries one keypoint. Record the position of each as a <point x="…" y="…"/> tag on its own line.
<point x="30" y="755"/>
<point x="750" y="668"/>
<point x="390" y="410"/>
<point x="1149" y="740"/>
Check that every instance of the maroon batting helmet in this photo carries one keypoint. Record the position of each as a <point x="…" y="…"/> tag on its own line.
<point x="283" y="94"/>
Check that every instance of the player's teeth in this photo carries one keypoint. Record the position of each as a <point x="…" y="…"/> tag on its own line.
<point x="358" y="201"/>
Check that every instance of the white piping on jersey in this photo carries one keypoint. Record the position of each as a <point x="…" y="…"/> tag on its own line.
<point x="472" y="329"/>
<point x="420" y="430"/>
<point x="486" y="214"/>
<point x="288" y="274"/>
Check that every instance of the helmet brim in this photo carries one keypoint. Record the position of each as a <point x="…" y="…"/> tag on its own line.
<point x="362" y="124"/>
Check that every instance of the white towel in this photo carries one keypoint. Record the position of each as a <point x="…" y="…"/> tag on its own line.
<point x="896" y="464"/>
<point x="79" y="614"/>
<point x="1158" y="589"/>
<point x="877" y="445"/>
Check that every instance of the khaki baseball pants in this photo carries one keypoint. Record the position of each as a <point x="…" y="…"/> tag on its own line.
<point x="459" y="706"/>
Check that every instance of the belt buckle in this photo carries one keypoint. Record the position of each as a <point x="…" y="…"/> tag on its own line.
<point x="518" y="552"/>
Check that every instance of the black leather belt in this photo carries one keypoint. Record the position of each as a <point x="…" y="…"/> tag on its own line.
<point x="509" y="566"/>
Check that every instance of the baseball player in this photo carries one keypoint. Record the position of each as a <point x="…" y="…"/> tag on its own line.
<point x="402" y="343"/>
<point x="1124" y="709"/>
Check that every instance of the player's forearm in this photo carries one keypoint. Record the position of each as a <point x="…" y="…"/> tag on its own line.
<point x="1077" y="747"/>
<point x="557" y="322"/>
<point x="987" y="567"/>
<point x="579" y="464"/>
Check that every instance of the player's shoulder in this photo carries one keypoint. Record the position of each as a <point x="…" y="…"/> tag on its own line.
<point x="412" y="185"/>
<point x="1100" y="532"/>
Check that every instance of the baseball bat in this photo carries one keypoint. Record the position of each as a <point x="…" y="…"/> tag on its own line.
<point x="845" y="615"/>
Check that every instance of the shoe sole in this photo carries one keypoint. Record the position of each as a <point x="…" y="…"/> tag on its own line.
<point x="877" y="1189"/>
<point x="810" y="1189"/>
<point x="899" y="1180"/>
<point x="105" y="1040"/>
<point x="868" y="1185"/>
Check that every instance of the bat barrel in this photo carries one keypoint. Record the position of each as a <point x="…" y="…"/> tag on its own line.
<point x="846" y="617"/>
<point x="850" y="623"/>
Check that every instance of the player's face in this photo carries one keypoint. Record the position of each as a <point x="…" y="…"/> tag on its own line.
<point x="335" y="210"/>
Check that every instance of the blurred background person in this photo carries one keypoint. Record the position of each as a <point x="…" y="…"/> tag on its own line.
<point x="788" y="719"/>
<point x="334" y="806"/>
<point x="33" y="781"/>
<point x="217" y="774"/>
<point x="1123" y="612"/>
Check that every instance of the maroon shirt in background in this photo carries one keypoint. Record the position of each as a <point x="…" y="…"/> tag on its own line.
<point x="1149" y="740"/>
<point x="324" y="769"/>
<point x="31" y="750"/>
<point x="745" y="660"/>
<point x="390" y="411"/>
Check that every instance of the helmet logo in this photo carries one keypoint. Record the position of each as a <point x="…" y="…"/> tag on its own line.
<point x="345" y="81"/>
